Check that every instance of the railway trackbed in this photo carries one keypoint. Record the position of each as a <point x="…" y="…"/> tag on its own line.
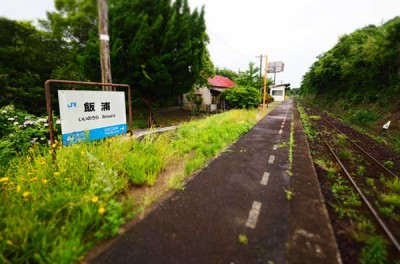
<point x="362" y="189"/>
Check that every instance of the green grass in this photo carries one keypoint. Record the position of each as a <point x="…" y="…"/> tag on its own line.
<point x="360" y="170"/>
<point x="291" y="144"/>
<point x="54" y="211"/>
<point x="389" y="164"/>
<point x="375" y="251"/>
<point x="391" y="198"/>
<point x="309" y="130"/>
<point x="393" y="185"/>
<point x="345" y="154"/>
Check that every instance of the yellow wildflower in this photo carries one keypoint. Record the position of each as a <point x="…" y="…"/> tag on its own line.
<point x="31" y="150"/>
<point x="95" y="199"/>
<point x="54" y="145"/>
<point x="44" y="181"/>
<point x="102" y="210"/>
<point x="83" y="152"/>
<point x="25" y="194"/>
<point x="4" y="179"/>
<point x="33" y="179"/>
<point x="18" y="188"/>
<point x="56" y="173"/>
<point x="28" y="158"/>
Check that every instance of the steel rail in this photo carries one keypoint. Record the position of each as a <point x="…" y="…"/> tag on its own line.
<point x="365" y="200"/>
<point x="358" y="146"/>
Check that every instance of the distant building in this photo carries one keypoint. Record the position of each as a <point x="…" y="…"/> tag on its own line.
<point x="210" y="94"/>
<point x="278" y="91"/>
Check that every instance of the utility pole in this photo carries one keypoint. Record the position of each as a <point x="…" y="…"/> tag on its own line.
<point x="104" y="44"/>
<point x="265" y="82"/>
<point x="261" y="56"/>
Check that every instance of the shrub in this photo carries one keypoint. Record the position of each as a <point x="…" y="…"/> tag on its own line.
<point x="242" y="97"/>
<point x="268" y="98"/>
<point x="363" y="117"/>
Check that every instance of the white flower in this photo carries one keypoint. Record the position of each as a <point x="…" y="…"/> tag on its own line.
<point x="15" y="123"/>
<point x="44" y="120"/>
<point x="58" y="121"/>
<point x="4" y="112"/>
<point x="45" y="125"/>
<point x="28" y="122"/>
<point x="11" y="135"/>
<point x="11" y="119"/>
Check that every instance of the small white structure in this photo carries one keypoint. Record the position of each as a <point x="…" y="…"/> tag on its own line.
<point x="278" y="92"/>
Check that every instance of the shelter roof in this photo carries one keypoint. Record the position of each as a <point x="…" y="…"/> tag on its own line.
<point x="221" y="81"/>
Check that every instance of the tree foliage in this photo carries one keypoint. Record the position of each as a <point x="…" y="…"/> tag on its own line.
<point x="27" y="58"/>
<point x="250" y="77"/>
<point x="242" y="97"/>
<point x="226" y="73"/>
<point x="159" y="47"/>
<point x="363" y="66"/>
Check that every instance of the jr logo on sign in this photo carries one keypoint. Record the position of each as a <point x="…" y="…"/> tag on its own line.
<point x="72" y="104"/>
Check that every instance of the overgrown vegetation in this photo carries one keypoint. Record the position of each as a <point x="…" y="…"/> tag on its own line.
<point x="358" y="80"/>
<point x="54" y="211"/>
<point x="345" y="203"/>
<point x="242" y="97"/>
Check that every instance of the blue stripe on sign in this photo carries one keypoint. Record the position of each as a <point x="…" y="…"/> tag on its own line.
<point x="93" y="134"/>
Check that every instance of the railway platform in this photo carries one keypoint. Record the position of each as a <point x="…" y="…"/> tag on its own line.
<point x="258" y="202"/>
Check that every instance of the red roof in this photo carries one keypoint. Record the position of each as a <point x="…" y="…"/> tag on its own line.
<point x="221" y="81"/>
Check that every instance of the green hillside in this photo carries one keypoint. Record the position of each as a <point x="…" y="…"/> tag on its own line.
<point x="358" y="80"/>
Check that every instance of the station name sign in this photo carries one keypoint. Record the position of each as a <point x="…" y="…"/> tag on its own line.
<point x="91" y="115"/>
<point x="275" y="67"/>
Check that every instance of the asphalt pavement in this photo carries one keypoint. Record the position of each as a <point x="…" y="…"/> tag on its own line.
<point x="247" y="206"/>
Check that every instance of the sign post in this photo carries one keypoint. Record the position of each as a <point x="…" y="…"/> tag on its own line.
<point x="91" y="115"/>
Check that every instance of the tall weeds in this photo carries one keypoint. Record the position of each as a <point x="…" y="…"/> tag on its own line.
<point x="53" y="211"/>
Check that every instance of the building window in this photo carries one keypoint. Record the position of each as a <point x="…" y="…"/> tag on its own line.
<point x="277" y="93"/>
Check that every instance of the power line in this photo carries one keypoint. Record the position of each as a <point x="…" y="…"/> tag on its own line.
<point x="229" y="45"/>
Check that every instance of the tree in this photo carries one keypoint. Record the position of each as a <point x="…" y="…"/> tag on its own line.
<point x="250" y="77"/>
<point x="158" y="47"/>
<point x="226" y="73"/>
<point x="363" y="67"/>
<point x="74" y="26"/>
<point x="27" y="58"/>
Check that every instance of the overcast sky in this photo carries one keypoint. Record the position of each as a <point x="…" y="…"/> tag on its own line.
<point x="292" y="31"/>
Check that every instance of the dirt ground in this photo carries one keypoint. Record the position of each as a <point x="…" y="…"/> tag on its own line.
<point x="168" y="116"/>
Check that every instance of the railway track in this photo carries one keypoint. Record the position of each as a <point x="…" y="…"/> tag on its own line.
<point x="358" y="159"/>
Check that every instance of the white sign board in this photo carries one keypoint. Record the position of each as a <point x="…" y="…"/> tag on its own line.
<point x="91" y="115"/>
<point x="275" y="66"/>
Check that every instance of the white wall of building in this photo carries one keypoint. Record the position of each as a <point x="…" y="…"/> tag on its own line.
<point x="278" y="93"/>
<point x="205" y="93"/>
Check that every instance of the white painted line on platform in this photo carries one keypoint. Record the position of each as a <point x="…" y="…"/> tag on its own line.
<point x="264" y="180"/>
<point x="253" y="215"/>
<point x="271" y="159"/>
<point x="275" y="147"/>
